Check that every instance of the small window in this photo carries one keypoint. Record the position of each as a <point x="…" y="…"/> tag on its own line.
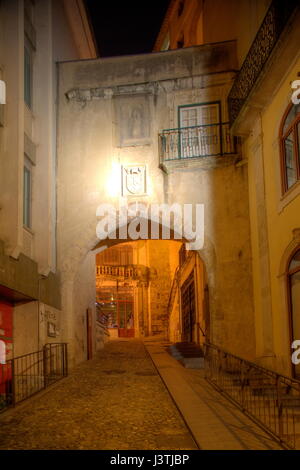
<point x="28" y="76"/>
<point x="290" y="147"/>
<point x="27" y="196"/>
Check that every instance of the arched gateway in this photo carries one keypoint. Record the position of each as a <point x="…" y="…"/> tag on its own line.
<point x="104" y="160"/>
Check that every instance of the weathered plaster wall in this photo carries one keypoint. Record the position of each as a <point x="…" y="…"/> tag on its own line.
<point x="25" y="328"/>
<point x="50" y="325"/>
<point x="160" y="285"/>
<point x="84" y="292"/>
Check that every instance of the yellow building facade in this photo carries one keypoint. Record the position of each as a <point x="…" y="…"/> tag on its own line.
<point x="267" y="123"/>
<point x="274" y="215"/>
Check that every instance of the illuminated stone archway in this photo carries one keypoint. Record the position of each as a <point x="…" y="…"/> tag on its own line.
<point x="78" y="285"/>
<point x="96" y="143"/>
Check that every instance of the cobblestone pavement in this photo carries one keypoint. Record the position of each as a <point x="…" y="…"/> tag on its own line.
<point x="115" y="401"/>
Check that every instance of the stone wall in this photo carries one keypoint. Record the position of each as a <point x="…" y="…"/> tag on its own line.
<point x="160" y="285"/>
<point x="25" y="328"/>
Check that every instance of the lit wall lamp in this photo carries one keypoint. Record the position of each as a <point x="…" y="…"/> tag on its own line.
<point x="2" y="92"/>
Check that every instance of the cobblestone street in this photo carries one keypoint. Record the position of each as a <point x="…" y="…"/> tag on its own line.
<point x="115" y="401"/>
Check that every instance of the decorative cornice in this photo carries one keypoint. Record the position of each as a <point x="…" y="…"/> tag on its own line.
<point x="84" y="95"/>
<point x="88" y="94"/>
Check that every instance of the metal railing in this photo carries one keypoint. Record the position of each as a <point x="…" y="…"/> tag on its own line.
<point x="265" y="40"/>
<point x="271" y="399"/>
<point x="196" y="141"/>
<point x="118" y="271"/>
<point x="23" y="376"/>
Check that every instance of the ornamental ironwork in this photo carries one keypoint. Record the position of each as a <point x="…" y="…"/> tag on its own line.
<point x="196" y="141"/>
<point x="266" y="38"/>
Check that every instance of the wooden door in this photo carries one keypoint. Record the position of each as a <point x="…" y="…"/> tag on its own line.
<point x="89" y="333"/>
<point x="188" y="308"/>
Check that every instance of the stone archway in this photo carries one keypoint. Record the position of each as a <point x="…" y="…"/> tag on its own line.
<point x="78" y="285"/>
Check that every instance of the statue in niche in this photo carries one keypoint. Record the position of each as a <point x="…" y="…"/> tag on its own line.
<point x="133" y="125"/>
<point x="136" y="127"/>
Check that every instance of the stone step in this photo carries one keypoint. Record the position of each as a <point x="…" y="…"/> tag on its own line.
<point x="189" y="349"/>
<point x="189" y="355"/>
<point x="193" y="362"/>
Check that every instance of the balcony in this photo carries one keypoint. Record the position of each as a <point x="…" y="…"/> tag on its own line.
<point x="267" y="40"/>
<point x="186" y="143"/>
<point x="117" y="271"/>
<point x="122" y="273"/>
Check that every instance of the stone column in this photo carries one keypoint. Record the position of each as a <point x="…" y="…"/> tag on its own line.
<point x="264" y="343"/>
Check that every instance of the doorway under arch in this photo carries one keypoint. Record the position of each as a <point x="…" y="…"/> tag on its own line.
<point x="152" y="288"/>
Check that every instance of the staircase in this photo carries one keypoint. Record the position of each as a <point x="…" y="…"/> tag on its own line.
<point x="272" y="399"/>
<point x="189" y="354"/>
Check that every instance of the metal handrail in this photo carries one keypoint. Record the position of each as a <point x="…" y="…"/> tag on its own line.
<point x="25" y="375"/>
<point x="269" y="398"/>
<point x="200" y="141"/>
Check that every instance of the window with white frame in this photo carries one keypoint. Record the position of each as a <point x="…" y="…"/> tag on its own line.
<point x="200" y="130"/>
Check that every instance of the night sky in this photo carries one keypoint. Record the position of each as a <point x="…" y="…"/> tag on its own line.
<point x="126" y="27"/>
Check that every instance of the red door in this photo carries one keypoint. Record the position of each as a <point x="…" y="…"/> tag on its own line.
<point x="6" y="332"/>
<point x="126" y="320"/>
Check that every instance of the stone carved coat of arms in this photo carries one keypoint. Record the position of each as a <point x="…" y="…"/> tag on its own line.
<point x="134" y="180"/>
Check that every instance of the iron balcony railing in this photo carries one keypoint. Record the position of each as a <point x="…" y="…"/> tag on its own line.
<point x="271" y="399"/>
<point x="23" y="376"/>
<point x="265" y="40"/>
<point x="196" y="141"/>
<point x="116" y="271"/>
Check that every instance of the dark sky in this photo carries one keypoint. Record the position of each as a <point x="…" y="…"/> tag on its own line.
<point x="126" y="27"/>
